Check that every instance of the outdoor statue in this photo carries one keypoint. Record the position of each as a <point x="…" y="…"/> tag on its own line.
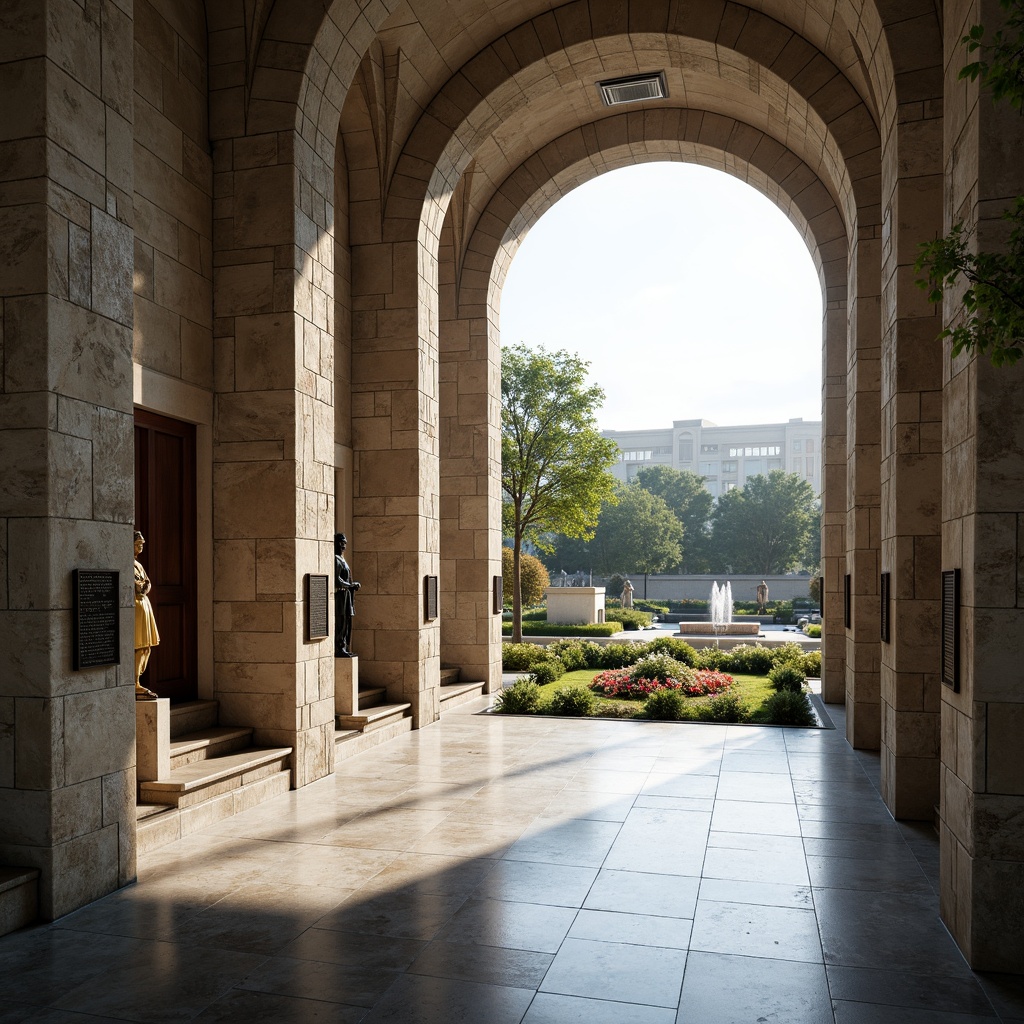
<point x="627" y="594"/>
<point x="762" y="597"/>
<point x="146" y="634"/>
<point x="344" y="599"/>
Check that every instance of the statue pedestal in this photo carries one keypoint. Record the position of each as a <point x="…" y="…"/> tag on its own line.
<point x="152" y="739"/>
<point x="346" y="686"/>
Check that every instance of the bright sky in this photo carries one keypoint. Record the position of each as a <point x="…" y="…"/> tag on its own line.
<point x="690" y="294"/>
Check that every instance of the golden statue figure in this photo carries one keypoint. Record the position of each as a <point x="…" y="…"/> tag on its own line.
<point x="146" y="633"/>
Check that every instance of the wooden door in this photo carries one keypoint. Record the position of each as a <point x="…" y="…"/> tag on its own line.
<point x="165" y="512"/>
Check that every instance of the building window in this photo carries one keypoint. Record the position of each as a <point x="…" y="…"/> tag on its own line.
<point x="708" y="469"/>
<point x="707" y="449"/>
<point x="754" y="451"/>
<point x="810" y="466"/>
<point x="729" y="467"/>
<point x="665" y="449"/>
<point x="798" y="446"/>
<point x="809" y="445"/>
<point x="637" y="455"/>
<point x="753" y="467"/>
<point x="685" y="450"/>
<point x="774" y="464"/>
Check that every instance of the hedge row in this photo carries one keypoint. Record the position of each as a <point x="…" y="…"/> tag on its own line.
<point x="531" y="628"/>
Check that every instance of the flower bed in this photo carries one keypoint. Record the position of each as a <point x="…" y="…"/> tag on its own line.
<point x="628" y="684"/>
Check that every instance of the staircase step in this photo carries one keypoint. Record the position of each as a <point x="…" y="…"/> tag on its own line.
<point x="449" y="675"/>
<point x="19" y="898"/>
<point x="459" y="693"/>
<point x="192" y="716"/>
<point x="372" y="718"/>
<point x="206" y="744"/>
<point x="194" y="783"/>
<point x="350" y="742"/>
<point x="372" y="696"/>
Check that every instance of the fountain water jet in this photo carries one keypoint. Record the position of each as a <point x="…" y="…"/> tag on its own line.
<point x="721" y="623"/>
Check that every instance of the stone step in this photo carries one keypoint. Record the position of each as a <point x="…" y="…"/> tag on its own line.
<point x="372" y="696"/>
<point x="19" y="898"/>
<point x="206" y="744"/>
<point x="192" y="716"/>
<point x="159" y="824"/>
<point x="459" y="693"/>
<point x="372" y="718"/>
<point x="350" y="742"/>
<point x="200" y="781"/>
<point x="449" y="675"/>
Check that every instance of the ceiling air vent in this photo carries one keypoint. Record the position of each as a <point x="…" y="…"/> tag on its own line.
<point x="633" y="89"/>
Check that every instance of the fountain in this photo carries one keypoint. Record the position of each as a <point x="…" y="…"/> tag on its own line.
<point x="720" y="623"/>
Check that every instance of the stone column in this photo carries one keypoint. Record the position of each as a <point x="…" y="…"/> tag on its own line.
<point x="982" y="781"/>
<point x="863" y="526"/>
<point x="274" y="458"/>
<point x="911" y="472"/>
<point x="834" y="504"/>
<point x="67" y="738"/>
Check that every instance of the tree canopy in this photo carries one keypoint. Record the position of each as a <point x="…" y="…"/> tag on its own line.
<point x="764" y="526"/>
<point x="685" y="494"/>
<point x="554" y="461"/>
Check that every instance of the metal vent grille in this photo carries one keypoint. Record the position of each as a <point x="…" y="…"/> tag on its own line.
<point x="633" y="89"/>
<point x="951" y="629"/>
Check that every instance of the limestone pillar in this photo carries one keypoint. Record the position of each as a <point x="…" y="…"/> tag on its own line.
<point x="834" y="504"/>
<point x="911" y="475"/>
<point x="863" y="525"/>
<point x="67" y="737"/>
<point x="982" y="781"/>
<point x="274" y="452"/>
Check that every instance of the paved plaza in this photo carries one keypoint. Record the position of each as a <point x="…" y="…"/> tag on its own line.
<point x="494" y="870"/>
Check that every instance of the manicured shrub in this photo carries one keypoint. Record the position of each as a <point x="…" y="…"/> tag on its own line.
<point x="661" y="668"/>
<point x="787" y="707"/>
<point x="519" y="657"/>
<point x="787" y="654"/>
<point x="712" y="657"/>
<point x="665" y="706"/>
<point x="630" y="618"/>
<point x="535" y="614"/>
<point x="754" y="660"/>
<point x="814" y="632"/>
<point x="613" y="711"/>
<point x="654" y="607"/>
<point x="573" y="700"/>
<point x="547" y="671"/>
<point x="546" y="628"/>
<point x="622" y="655"/>
<point x="533" y="578"/>
<point x="674" y="648"/>
<point x="812" y="665"/>
<point x="570" y="653"/>
<point x="521" y="698"/>
<point x="722" y="709"/>
<point x="787" y="677"/>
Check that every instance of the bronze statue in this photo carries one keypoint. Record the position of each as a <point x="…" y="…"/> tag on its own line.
<point x="344" y="602"/>
<point x="146" y="634"/>
<point x="762" y="597"/>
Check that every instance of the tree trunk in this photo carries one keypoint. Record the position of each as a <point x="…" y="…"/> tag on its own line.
<point x="517" y="590"/>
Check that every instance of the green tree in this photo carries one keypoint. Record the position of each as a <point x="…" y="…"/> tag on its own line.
<point x="554" y="461"/>
<point x="685" y="494"/>
<point x="992" y="303"/>
<point x="637" y="533"/>
<point x="763" y="527"/>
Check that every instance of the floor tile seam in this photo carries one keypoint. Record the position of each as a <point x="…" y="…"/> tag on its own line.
<point x="994" y="1015"/>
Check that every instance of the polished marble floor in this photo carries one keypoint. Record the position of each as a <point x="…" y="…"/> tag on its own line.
<point x="494" y="870"/>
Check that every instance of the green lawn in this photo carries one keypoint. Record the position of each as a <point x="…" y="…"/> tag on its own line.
<point x="751" y="691"/>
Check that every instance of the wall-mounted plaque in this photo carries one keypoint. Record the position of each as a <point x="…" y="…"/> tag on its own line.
<point x="97" y="618"/>
<point x="497" y="600"/>
<point x="884" y="605"/>
<point x="951" y="629"/>
<point x="317" y="621"/>
<point x="429" y="597"/>
<point x="847" y="601"/>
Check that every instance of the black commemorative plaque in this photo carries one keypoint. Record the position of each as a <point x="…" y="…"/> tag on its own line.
<point x="847" y="600"/>
<point x="951" y="629"/>
<point x="97" y="618"/>
<point x="497" y="596"/>
<point x="885" y="606"/>
<point x="317" y="603"/>
<point x="429" y="597"/>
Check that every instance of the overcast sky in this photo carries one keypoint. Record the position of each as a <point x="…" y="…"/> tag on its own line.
<point x="690" y="294"/>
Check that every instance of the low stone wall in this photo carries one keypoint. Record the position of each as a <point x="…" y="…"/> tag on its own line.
<point x="710" y="629"/>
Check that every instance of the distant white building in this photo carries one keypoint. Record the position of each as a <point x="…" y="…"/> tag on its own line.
<point x="725" y="456"/>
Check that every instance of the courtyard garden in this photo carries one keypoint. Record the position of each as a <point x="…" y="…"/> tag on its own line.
<point x="665" y="679"/>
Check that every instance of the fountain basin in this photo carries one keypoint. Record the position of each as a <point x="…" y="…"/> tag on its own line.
<point x="718" y="629"/>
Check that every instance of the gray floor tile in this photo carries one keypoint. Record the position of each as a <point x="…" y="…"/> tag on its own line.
<point x="878" y="875"/>
<point x="245" y="1007"/>
<point x="311" y="979"/>
<point x="755" y="786"/>
<point x="916" y="991"/>
<point x="747" y="929"/>
<point x="514" y="925"/>
<point x="767" y="894"/>
<point x="719" y="989"/>
<point x="874" y="1013"/>
<point x="617" y="971"/>
<point x="548" y="1008"/>
<point x="488" y="965"/>
<point x="635" y="929"/>
<point x="755" y="816"/>
<point x="876" y="930"/>
<point x="420" y="999"/>
<point x="401" y="914"/>
<point x="578" y="842"/>
<point x="355" y="949"/>
<point x="558" y="885"/>
<point x="644" y="893"/>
